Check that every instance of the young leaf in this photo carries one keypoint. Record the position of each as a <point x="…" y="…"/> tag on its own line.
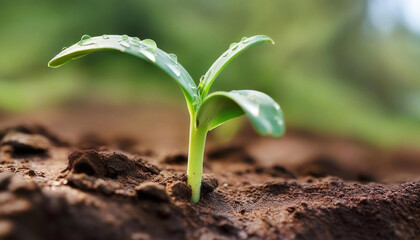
<point x="234" y="50"/>
<point x="145" y="49"/>
<point x="265" y="114"/>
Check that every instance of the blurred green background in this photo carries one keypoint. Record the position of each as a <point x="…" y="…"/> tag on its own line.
<point x="347" y="67"/>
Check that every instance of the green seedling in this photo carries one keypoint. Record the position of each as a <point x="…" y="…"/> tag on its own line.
<point x="207" y="111"/>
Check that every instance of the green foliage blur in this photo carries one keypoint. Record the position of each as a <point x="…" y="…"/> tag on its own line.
<point x="331" y="69"/>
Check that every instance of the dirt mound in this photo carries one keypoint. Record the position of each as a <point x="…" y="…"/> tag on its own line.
<point x="123" y="193"/>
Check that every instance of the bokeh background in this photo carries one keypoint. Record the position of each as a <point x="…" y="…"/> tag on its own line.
<point x="338" y="66"/>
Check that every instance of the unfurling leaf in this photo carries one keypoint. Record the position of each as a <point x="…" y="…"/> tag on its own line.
<point x="263" y="112"/>
<point x="234" y="50"/>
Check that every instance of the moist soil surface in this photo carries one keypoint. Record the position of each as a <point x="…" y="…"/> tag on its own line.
<point x="101" y="172"/>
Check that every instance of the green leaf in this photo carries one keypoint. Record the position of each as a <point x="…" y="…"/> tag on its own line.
<point x="145" y="49"/>
<point x="234" y="50"/>
<point x="264" y="113"/>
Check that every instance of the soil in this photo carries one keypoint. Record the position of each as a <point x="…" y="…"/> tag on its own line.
<point x="103" y="172"/>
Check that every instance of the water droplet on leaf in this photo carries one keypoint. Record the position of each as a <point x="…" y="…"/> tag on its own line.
<point x="64" y="48"/>
<point x="244" y="40"/>
<point x="173" y="57"/>
<point x="279" y="120"/>
<point x="85" y="37"/>
<point x="225" y="53"/>
<point x="148" y="53"/>
<point x="233" y="46"/>
<point x="192" y="86"/>
<point x="174" y="64"/>
<point x="136" y="40"/>
<point x="149" y="49"/>
<point x="124" y="37"/>
<point x="149" y="43"/>
<point x="105" y="36"/>
<point x="85" y="40"/>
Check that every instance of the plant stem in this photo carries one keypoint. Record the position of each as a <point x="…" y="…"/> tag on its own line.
<point x="195" y="159"/>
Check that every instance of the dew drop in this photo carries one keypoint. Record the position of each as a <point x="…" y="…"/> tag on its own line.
<point x="85" y="37"/>
<point x="124" y="37"/>
<point x="276" y="106"/>
<point x="149" y="43"/>
<point x="192" y="86"/>
<point x="173" y="57"/>
<point x="149" y="49"/>
<point x="64" y="48"/>
<point x="241" y="93"/>
<point x="244" y="40"/>
<point x="105" y="36"/>
<point x="85" y="40"/>
<point x="173" y="65"/>
<point x="279" y="120"/>
<point x="148" y="53"/>
<point x="225" y="53"/>
<point x="233" y="46"/>
<point x="136" y="40"/>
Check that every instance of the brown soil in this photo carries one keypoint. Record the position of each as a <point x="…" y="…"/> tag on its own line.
<point x="112" y="173"/>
